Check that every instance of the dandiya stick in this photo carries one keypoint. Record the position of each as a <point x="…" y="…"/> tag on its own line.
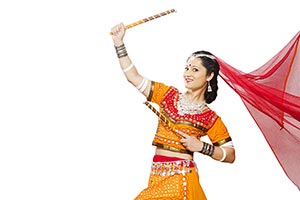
<point x="148" y="19"/>
<point x="163" y="118"/>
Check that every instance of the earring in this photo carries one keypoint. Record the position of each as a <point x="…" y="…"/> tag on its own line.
<point x="209" y="89"/>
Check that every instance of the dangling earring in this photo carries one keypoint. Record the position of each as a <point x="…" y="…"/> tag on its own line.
<point x="209" y="89"/>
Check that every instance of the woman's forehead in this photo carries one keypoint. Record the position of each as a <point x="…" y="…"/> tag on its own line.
<point x="194" y="61"/>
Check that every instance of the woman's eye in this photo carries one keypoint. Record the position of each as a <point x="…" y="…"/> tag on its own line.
<point x="195" y="70"/>
<point x="186" y="68"/>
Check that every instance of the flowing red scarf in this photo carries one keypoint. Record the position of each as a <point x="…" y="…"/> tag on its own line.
<point x="272" y="96"/>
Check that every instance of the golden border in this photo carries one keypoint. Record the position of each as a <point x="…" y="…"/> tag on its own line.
<point x="151" y="91"/>
<point x="219" y="143"/>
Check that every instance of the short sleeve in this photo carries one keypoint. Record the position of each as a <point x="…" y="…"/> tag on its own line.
<point x="218" y="133"/>
<point x="157" y="92"/>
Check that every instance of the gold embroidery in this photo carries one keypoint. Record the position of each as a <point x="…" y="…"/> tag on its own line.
<point x="151" y="91"/>
<point x="219" y="143"/>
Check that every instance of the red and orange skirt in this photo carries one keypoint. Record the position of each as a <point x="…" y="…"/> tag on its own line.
<point x="172" y="178"/>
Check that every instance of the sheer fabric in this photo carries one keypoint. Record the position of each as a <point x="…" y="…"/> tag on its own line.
<point x="271" y="94"/>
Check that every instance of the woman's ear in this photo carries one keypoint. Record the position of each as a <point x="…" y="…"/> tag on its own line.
<point x="209" y="77"/>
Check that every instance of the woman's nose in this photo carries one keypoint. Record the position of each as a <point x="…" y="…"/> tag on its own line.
<point x="187" y="72"/>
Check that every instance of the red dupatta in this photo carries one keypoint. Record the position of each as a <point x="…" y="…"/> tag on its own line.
<point x="272" y="96"/>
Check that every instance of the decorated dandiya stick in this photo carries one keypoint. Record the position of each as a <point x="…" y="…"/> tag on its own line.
<point x="148" y="19"/>
<point x="162" y="118"/>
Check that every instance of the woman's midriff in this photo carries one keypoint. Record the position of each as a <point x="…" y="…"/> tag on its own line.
<point x="164" y="152"/>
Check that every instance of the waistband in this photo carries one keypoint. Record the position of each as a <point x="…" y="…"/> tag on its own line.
<point x="168" y="166"/>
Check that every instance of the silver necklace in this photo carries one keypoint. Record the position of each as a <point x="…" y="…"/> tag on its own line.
<point x="184" y="106"/>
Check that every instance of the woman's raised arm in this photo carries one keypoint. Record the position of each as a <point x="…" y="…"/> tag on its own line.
<point x="129" y="69"/>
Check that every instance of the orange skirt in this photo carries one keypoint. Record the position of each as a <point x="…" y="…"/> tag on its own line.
<point x="176" y="180"/>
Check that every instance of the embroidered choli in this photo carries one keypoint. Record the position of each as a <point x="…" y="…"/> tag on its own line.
<point x="198" y="125"/>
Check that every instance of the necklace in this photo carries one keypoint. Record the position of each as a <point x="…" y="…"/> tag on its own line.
<point x="184" y="106"/>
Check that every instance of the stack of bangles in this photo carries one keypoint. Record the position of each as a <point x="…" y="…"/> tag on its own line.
<point x="208" y="149"/>
<point x="121" y="51"/>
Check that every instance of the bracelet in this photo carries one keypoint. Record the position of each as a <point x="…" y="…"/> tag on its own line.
<point x="207" y="149"/>
<point x="122" y="46"/>
<point x="143" y="85"/>
<point x="224" y="154"/>
<point x="121" y="51"/>
<point x="128" y="68"/>
<point x="142" y="89"/>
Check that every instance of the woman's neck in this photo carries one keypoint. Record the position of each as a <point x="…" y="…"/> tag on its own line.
<point x="195" y="96"/>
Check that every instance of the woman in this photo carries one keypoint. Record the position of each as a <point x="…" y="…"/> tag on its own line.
<point x="186" y="119"/>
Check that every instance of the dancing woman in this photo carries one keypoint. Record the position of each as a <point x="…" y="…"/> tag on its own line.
<point x="187" y="118"/>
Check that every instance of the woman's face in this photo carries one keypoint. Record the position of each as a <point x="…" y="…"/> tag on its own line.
<point x="195" y="77"/>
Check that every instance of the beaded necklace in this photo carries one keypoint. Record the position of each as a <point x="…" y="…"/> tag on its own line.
<point x="184" y="106"/>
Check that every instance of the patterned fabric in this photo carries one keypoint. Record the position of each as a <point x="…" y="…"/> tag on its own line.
<point x="198" y="125"/>
<point x="176" y="180"/>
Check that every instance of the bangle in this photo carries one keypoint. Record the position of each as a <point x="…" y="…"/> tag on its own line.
<point x="142" y="89"/>
<point x="121" y="51"/>
<point x="128" y="68"/>
<point x="122" y="54"/>
<point x="142" y="86"/>
<point x="207" y="149"/>
<point x="203" y="148"/>
<point x="211" y="150"/>
<point x="224" y="154"/>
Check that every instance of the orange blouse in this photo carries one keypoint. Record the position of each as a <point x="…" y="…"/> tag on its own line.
<point x="198" y="125"/>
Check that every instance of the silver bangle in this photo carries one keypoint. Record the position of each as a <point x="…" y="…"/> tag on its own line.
<point x="224" y="154"/>
<point x="144" y="86"/>
<point x="128" y="68"/>
<point x="141" y="84"/>
<point x="121" y="51"/>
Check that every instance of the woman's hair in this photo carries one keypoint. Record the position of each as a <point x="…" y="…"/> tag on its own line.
<point x="211" y="65"/>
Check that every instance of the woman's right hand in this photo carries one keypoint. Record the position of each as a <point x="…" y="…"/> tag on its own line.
<point x="118" y="32"/>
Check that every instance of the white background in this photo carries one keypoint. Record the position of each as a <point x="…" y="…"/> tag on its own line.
<point x="71" y="127"/>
